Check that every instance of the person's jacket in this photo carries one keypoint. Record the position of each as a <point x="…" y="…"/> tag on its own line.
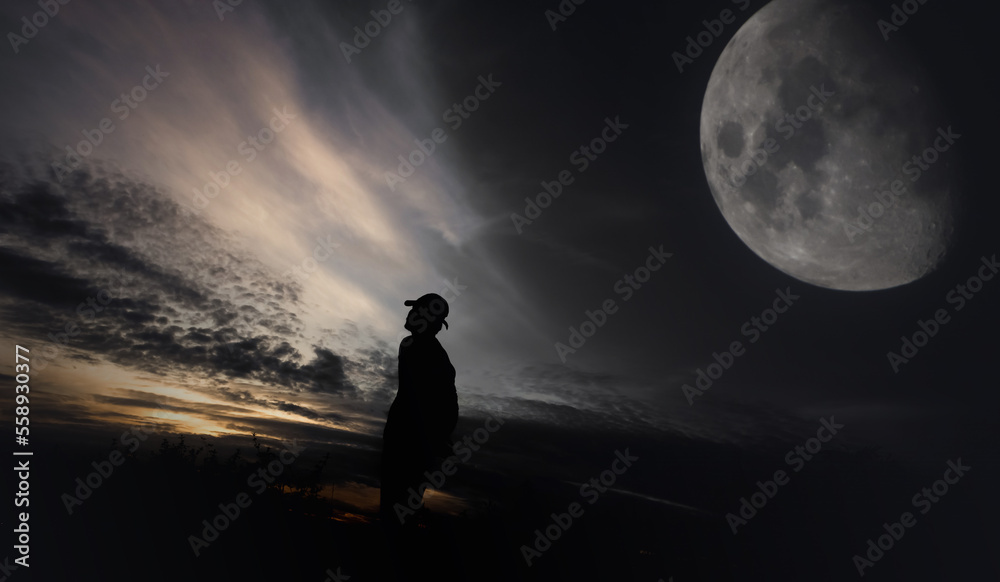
<point x="426" y="405"/>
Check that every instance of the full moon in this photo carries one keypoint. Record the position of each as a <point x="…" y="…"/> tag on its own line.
<point x="825" y="148"/>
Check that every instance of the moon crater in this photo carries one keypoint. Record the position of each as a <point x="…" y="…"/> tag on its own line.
<point x="807" y="116"/>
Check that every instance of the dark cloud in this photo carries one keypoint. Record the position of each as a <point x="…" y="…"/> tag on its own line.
<point x="122" y="273"/>
<point x="33" y="280"/>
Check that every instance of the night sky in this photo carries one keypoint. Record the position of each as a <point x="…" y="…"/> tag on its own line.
<point x="231" y="258"/>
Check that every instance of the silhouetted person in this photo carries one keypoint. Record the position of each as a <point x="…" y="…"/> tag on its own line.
<point x="421" y="418"/>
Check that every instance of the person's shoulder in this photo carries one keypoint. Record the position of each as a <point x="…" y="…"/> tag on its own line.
<point x="414" y="345"/>
<point x="436" y="346"/>
<point x="428" y="346"/>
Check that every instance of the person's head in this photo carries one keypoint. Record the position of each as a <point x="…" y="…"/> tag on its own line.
<point x="427" y="314"/>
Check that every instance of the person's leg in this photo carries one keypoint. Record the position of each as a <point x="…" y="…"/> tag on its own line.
<point x="401" y="475"/>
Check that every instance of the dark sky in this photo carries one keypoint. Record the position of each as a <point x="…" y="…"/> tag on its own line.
<point x="207" y="319"/>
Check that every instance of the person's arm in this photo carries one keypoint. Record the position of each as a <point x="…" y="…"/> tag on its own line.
<point x="450" y="415"/>
<point x="445" y="401"/>
<point x="451" y="400"/>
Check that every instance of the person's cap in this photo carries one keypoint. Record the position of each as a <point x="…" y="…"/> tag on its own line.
<point x="435" y="305"/>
